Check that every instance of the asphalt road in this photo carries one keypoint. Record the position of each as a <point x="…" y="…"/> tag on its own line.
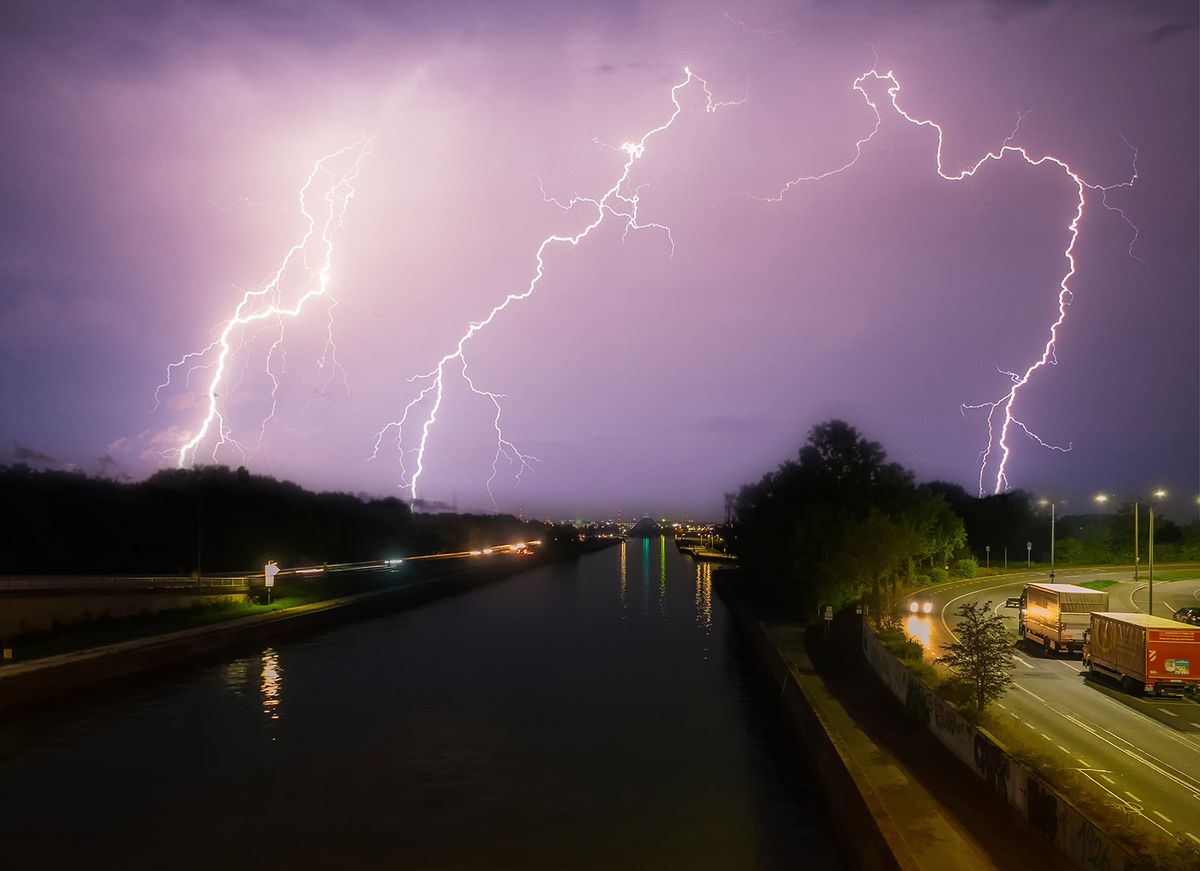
<point x="1143" y="752"/>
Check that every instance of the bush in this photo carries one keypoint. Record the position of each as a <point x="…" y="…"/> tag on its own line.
<point x="967" y="568"/>
<point x="938" y="575"/>
<point x="922" y="581"/>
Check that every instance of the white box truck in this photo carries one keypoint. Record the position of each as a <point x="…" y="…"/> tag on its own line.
<point x="1055" y="616"/>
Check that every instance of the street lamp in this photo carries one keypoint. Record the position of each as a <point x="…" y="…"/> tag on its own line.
<point x="1158" y="494"/>
<point x="1051" y="504"/>
<point x="1101" y="498"/>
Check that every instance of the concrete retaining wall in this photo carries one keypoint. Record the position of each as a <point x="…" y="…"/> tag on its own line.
<point x="864" y="827"/>
<point x="25" y="682"/>
<point x="1035" y="801"/>
<point x="36" y="613"/>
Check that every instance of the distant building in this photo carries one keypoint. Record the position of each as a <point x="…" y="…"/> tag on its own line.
<point x="645" y="528"/>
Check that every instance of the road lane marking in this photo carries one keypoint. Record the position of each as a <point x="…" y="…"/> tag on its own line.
<point x="1163" y="817"/>
<point x="1047" y="737"/>
<point x="1063" y="749"/>
<point x="1001" y="706"/>
<point x="1020" y="659"/>
<point x="1197" y="725"/>
<point x="1082" y="762"/>
<point x="1168" y="713"/>
<point x="1178" y="776"/>
<point x="1132" y="796"/>
<point x="1109" y="779"/>
<point x="1014" y="716"/>
<point x="1193" y="837"/>
<point x="1069" y="666"/>
<point x="1030" y="725"/>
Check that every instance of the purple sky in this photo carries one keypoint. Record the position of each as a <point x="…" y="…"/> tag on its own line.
<point x="153" y="154"/>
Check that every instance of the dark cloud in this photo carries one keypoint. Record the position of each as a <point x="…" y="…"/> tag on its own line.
<point x="1167" y="31"/>
<point x="32" y="455"/>
<point x="728" y="423"/>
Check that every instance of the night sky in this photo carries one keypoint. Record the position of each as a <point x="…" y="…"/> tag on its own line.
<point x="153" y="156"/>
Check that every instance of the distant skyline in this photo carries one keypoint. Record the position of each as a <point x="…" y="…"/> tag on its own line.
<point x="155" y="157"/>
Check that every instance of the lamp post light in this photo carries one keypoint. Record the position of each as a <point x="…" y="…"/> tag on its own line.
<point x="1102" y="498"/>
<point x="1045" y="502"/>
<point x="1158" y="494"/>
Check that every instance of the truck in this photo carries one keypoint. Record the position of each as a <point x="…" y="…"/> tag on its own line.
<point x="1056" y="615"/>
<point x="1146" y="653"/>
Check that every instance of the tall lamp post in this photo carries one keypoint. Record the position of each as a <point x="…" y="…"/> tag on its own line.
<point x="1158" y="494"/>
<point x="1101" y="499"/>
<point x="1051" y="504"/>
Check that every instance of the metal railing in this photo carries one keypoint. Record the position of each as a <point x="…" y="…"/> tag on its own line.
<point x="35" y="584"/>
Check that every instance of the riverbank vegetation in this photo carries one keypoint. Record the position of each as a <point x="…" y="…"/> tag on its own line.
<point x="212" y="520"/>
<point x="841" y="524"/>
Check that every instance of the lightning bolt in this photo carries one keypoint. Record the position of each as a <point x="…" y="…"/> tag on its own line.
<point x="994" y="458"/>
<point x="621" y="202"/>
<point x="331" y="182"/>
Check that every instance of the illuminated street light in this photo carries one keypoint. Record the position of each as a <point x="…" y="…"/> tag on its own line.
<point x="1158" y="494"/>
<point x="1101" y="498"/>
<point x="1044" y="502"/>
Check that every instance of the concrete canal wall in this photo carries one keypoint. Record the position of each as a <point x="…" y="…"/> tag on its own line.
<point x="31" y="681"/>
<point x="886" y="819"/>
<point x="1039" y="804"/>
<point x="32" y="612"/>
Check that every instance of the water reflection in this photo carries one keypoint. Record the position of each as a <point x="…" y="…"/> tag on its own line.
<point x="704" y="618"/>
<point x="236" y="675"/>
<point x="621" y="574"/>
<point x="271" y="684"/>
<point x="919" y="628"/>
<point x="662" y="574"/>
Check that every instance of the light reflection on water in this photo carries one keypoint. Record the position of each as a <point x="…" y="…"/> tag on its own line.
<point x="535" y="722"/>
<point x="704" y="618"/>
<point x="662" y="574"/>
<point x="271" y="684"/>
<point x="919" y="627"/>
<point x="623" y="579"/>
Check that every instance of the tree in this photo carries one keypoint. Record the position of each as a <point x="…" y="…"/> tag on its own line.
<point x="839" y="523"/>
<point x="982" y="657"/>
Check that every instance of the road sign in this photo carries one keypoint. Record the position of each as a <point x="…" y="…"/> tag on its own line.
<point x="828" y="612"/>
<point x="269" y="572"/>
<point x="858" y="609"/>
<point x="1029" y="545"/>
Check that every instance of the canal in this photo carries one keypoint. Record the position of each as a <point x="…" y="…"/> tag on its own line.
<point x="590" y="714"/>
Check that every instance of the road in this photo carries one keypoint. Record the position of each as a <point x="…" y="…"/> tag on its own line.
<point x="1144" y="753"/>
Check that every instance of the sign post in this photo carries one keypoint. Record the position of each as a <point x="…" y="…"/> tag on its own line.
<point x="269" y="572"/>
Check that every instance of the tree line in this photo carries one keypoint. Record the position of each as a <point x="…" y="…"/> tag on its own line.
<point x="840" y="524"/>
<point x="214" y="520"/>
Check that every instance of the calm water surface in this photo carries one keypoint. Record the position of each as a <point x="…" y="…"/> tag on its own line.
<point x="595" y="714"/>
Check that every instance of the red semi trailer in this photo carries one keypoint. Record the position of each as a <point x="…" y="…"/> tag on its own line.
<point x="1150" y="654"/>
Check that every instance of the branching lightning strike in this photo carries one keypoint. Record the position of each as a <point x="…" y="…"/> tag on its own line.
<point x="267" y="308"/>
<point x="993" y="465"/>
<point x="621" y="203"/>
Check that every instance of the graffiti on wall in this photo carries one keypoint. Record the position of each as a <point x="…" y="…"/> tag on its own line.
<point x="1041" y="809"/>
<point x="992" y="764"/>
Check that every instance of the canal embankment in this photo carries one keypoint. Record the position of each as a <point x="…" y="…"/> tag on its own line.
<point x="25" y="682"/>
<point x="885" y="815"/>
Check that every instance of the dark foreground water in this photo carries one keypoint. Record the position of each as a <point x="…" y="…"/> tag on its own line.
<point x="588" y="715"/>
